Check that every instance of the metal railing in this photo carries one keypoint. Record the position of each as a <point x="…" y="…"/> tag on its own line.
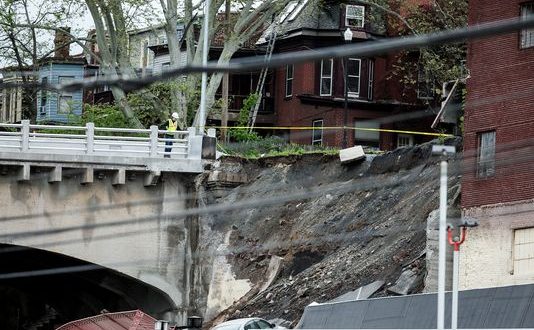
<point x="97" y="141"/>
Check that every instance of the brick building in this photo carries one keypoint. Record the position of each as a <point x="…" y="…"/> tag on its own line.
<point x="313" y="94"/>
<point x="497" y="183"/>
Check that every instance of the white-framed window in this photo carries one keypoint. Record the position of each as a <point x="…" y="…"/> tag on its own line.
<point x="523" y="253"/>
<point x="354" y="66"/>
<point x="486" y="154"/>
<point x="165" y="66"/>
<point x="65" y="98"/>
<point x="367" y="132"/>
<point x="371" y="80"/>
<point x="527" y="35"/>
<point x="289" y="79"/>
<point x="325" y="88"/>
<point x="404" y="140"/>
<point x="355" y="16"/>
<point x="317" y="134"/>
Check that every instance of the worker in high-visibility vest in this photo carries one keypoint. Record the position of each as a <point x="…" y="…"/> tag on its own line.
<point x="172" y="126"/>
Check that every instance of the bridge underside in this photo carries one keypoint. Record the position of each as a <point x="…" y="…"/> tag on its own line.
<point x="46" y="289"/>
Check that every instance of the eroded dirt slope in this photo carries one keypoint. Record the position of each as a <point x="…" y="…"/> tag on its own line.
<point x="334" y="242"/>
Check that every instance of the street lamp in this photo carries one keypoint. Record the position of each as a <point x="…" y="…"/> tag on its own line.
<point x="456" y="242"/>
<point x="444" y="151"/>
<point x="347" y="36"/>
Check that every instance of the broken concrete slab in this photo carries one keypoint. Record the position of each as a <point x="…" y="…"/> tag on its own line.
<point x="363" y="292"/>
<point x="408" y="281"/>
<point x="272" y="271"/>
<point x="351" y="154"/>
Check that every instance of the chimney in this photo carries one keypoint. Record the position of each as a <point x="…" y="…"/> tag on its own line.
<point x="61" y="39"/>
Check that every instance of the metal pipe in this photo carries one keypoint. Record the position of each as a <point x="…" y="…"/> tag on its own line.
<point x="202" y="110"/>
<point x="442" y="245"/>
<point x="455" y="274"/>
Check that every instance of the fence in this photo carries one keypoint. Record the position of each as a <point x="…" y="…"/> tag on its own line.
<point x="91" y="140"/>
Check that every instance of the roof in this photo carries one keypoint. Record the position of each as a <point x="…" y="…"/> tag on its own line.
<point x="500" y="307"/>
<point x="130" y="320"/>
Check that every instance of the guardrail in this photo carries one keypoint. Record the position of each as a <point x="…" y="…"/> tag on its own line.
<point x="99" y="141"/>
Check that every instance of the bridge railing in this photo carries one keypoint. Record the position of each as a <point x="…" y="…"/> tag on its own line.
<point x="91" y="140"/>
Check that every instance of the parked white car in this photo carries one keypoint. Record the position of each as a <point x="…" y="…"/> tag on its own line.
<point x="246" y="324"/>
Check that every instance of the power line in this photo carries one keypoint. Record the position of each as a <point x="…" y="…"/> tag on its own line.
<point x="277" y="60"/>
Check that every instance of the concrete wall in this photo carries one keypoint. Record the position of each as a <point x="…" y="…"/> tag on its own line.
<point x="486" y="256"/>
<point x="153" y="245"/>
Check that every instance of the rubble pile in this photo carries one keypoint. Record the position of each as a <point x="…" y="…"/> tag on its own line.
<point x="372" y="235"/>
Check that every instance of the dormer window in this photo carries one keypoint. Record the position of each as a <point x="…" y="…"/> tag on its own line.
<point x="354" y="16"/>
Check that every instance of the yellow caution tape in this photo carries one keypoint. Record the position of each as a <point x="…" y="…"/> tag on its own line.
<point x="336" y="128"/>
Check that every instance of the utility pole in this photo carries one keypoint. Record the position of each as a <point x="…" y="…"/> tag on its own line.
<point x="444" y="151"/>
<point x="226" y="78"/>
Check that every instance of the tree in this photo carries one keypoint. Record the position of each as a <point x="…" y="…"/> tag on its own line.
<point x="436" y="64"/>
<point x="243" y="26"/>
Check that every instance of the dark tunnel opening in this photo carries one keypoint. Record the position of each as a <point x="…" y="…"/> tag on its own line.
<point x="44" y="289"/>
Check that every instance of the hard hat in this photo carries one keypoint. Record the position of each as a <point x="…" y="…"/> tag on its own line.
<point x="175" y="115"/>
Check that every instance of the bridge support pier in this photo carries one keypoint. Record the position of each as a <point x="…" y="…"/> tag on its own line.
<point x="119" y="177"/>
<point x="23" y="173"/>
<point x="55" y="174"/>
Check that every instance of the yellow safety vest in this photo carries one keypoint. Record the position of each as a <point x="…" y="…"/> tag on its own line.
<point x="171" y="127"/>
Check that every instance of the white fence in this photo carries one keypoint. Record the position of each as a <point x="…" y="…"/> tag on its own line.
<point x="91" y="140"/>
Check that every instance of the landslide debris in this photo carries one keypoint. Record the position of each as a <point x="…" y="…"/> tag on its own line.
<point x="332" y="243"/>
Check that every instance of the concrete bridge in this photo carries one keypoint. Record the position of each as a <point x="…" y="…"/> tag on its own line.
<point x="76" y="197"/>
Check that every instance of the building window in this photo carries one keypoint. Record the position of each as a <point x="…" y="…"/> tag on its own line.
<point x="144" y="54"/>
<point x="65" y="99"/>
<point x="289" y="80"/>
<point x="425" y="89"/>
<point x="354" y="16"/>
<point x="165" y="66"/>
<point x="486" y="154"/>
<point x="367" y="132"/>
<point x="527" y="35"/>
<point x="524" y="251"/>
<point x="317" y="135"/>
<point x="404" y="140"/>
<point x="44" y="94"/>
<point x="326" y="77"/>
<point x="371" y="80"/>
<point x="65" y="104"/>
<point x="353" y="77"/>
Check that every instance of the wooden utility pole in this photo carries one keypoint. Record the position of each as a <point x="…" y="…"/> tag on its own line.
<point x="225" y="82"/>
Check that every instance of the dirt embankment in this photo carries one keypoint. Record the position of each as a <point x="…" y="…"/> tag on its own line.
<point x="368" y="225"/>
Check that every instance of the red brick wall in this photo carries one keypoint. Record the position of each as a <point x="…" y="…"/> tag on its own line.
<point x="501" y="98"/>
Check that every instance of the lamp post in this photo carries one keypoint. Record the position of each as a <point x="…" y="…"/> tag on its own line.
<point x="347" y="36"/>
<point x="444" y="151"/>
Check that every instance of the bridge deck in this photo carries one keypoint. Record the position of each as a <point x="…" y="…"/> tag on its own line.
<point x="79" y="146"/>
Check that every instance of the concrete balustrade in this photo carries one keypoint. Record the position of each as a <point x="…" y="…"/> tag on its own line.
<point x="92" y="148"/>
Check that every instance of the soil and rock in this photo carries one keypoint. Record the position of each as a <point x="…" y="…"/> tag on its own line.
<point x="368" y="224"/>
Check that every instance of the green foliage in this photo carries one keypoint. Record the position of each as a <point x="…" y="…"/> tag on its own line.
<point x="437" y="64"/>
<point x="243" y="134"/>
<point x="270" y="147"/>
<point x="152" y="106"/>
